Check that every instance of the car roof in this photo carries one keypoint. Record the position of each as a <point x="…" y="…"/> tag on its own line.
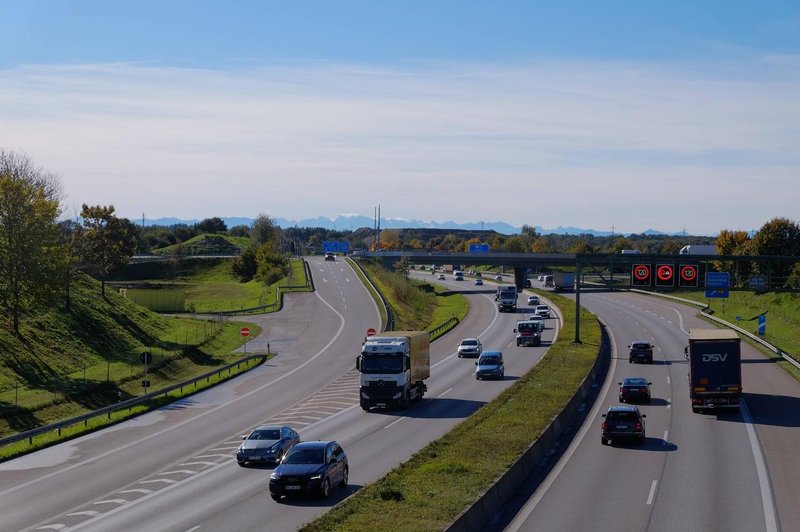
<point x="631" y="380"/>
<point x="491" y="353"/>
<point x="318" y="444"/>
<point x="271" y="427"/>
<point x="621" y="408"/>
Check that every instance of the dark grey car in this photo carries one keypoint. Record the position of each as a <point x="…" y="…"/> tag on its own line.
<point x="266" y="444"/>
<point x="623" y="423"/>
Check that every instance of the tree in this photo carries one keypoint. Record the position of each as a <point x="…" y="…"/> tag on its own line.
<point x="779" y="236"/>
<point x="733" y="243"/>
<point x="265" y="230"/>
<point x="30" y="253"/>
<point x="211" y="225"/>
<point x="106" y="243"/>
<point x="403" y="266"/>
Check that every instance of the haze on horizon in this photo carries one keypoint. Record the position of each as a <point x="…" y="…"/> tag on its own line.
<point x="683" y="116"/>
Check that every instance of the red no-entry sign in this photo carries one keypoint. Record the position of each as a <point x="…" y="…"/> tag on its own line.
<point x="371" y="332"/>
<point x="244" y="331"/>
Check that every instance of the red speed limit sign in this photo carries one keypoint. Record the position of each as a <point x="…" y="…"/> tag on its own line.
<point x="688" y="275"/>
<point x="640" y="275"/>
<point x="665" y="275"/>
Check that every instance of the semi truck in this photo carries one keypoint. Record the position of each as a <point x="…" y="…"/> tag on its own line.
<point x="563" y="281"/>
<point x="715" y="368"/>
<point x="393" y="366"/>
<point x="698" y="249"/>
<point x="506" y="298"/>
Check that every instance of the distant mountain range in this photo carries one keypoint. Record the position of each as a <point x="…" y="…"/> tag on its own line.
<point x="353" y="222"/>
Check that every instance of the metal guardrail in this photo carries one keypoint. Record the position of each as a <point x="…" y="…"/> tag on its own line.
<point x="704" y="309"/>
<point x="108" y="410"/>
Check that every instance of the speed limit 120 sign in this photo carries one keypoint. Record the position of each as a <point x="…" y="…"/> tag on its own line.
<point x="687" y="275"/>
<point x="640" y="275"/>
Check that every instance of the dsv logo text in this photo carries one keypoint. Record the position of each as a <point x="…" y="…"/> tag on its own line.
<point x="715" y="357"/>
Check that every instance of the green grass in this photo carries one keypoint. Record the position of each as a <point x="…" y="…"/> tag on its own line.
<point x="66" y="363"/>
<point x="207" y="244"/>
<point x="99" y="422"/>
<point x="432" y="488"/>
<point x="416" y="305"/>
<point x="371" y="291"/>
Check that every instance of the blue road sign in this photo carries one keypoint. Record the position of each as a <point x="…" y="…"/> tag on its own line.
<point x="479" y="248"/>
<point x="762" y="325"/>
<point x="718" y="280"/>
<point x="333" y="246"/>
<point x="716" y="292"/>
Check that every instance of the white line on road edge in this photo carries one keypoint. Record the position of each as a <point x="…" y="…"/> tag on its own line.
<point x="652" y="492"/>
<point x="666" y="435"/>
<point x="770" y="520"/>
<point x="519" y="520"/>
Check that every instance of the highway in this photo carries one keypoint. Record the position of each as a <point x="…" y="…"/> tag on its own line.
<point x="734" y="471"/>
<point x="174" y="469"/>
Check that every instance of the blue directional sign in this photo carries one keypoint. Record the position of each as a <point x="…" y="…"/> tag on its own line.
<point x="762" y="324"/>
<point x="332" y="246"/>
<point x="479" y="248"/>
<point x="717" y="284"/>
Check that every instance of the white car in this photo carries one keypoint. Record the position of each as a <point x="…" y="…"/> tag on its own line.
<point x="533" y="300"/>
<point x="543" y="311"/>
<point x="441" y="277"/>
<point x="469" y="347"/>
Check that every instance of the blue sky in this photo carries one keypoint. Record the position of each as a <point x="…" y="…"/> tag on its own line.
<point x="637" y="115"/>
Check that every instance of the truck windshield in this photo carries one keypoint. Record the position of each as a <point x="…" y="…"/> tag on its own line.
<point x="381" y="363"/>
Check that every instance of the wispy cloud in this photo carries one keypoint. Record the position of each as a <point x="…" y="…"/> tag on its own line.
<point x="585" y="144"/>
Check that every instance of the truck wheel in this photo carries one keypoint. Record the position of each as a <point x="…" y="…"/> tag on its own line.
<point x="420" y="391"/>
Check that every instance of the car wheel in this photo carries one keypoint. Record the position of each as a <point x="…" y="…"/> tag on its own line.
<point x="650" y="360"/>
<point x="604" y="441"/>
<point x="325" y="488"/>
<point x="344" y="477"/>
<point x="241" y="464"/>
<point x="642" y="439"/>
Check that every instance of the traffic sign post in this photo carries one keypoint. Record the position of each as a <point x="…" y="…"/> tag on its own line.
<point x="245" y="332"/>
<point x="146" y="358"/>
<point x="717" y="284"/>
<point x="640" y="275"/>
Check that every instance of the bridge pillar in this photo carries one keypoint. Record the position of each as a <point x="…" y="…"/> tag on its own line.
<point x="520" y="276"/>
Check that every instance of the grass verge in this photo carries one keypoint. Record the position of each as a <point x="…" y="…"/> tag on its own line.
<point x="433" y="487"/>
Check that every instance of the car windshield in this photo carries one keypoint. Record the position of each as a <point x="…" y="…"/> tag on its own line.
<point x="634" y="382"/>
<point x="265" y="434"/>
<point x="305" y="456"/>
<point x="641" y="346"/>
<point x="469" y="342"/>
<point x="622" y="416"/>
<point x="377" y="363"/>
<point x="526" y="327"/>
<point x="489" y="361"/>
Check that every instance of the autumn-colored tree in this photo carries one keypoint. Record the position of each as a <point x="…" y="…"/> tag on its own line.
<point x="734" y="243"/>
<point x="30" y="253"/>
<point x="580" y="246"/>
<point x="106" y="242"/>
<point x="542" y="245"/>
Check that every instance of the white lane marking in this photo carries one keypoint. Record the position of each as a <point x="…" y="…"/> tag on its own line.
<point x="445" y="392"/>
<point x="669" y="381"/>
<point x="112" y="501"/>
<point x="181" y="471"/>
<point x="193" y="528"/>
<point x="137" y="490"/>
<point x="158" y="481"/>
<point x="523" y="515"/>
<point x="666" y="435"/>
<point x="193" y="419"/>
<point x="652" y="493"/>
<point x="396" y="421"/>
<point x="770" y="519"/>
<point x="198" y="463"/>
<point x="52" y="527"/>
<point x="87" y="513"/>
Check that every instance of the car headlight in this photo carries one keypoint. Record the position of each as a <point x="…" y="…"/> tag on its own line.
<point x="398" y="395"/>
<point x="274" y="476"/>
<point x="318" y="476"/>
<point x="364" y="395"/>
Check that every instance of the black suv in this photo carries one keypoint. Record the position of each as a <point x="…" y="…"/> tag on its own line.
<point x="641" y="351"/>
<point x="310" y="468"/>
<point x="622" y="423"/>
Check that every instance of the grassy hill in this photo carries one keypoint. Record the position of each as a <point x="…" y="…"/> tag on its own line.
<point x="207" y="244"/>
<point x="65" y="362"/>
